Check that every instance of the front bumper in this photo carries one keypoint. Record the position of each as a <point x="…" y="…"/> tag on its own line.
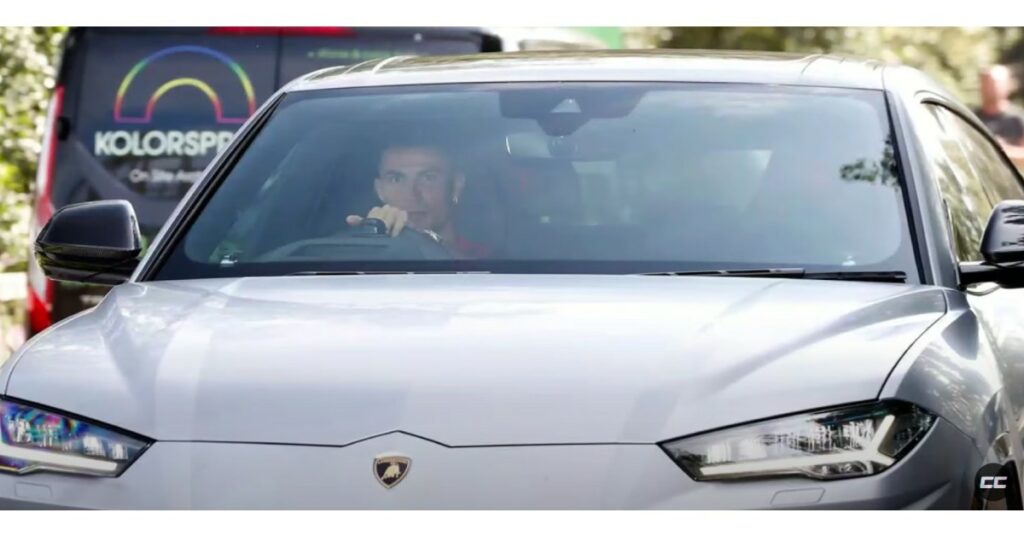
<point x="182" y="475"/>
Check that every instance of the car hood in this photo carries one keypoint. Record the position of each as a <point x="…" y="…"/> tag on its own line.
<point x="469" y="359"/>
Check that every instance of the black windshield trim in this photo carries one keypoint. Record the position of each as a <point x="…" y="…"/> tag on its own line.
<point x="910" y="188"/>
<point x="881" y="276"/>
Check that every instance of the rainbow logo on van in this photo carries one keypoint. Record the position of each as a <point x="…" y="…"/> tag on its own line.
<point x="218" y="108"/>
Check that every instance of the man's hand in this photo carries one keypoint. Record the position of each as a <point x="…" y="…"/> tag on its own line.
<point x="393" y="217"/>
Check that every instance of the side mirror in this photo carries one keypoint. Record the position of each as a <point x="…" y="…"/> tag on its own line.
<point x="1002" y="247"/>
<point x="95" y="242"/>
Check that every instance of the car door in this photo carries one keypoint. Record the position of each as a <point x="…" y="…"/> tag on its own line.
<point x="973" y="176"/>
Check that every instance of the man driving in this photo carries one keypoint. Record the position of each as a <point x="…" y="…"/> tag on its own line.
<point x="419" y="186"/>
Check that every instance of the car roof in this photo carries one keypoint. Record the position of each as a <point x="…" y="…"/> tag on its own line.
<point x="652" y="65"/>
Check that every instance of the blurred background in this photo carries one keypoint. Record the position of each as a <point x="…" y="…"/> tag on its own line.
<point x="31" y="74"/>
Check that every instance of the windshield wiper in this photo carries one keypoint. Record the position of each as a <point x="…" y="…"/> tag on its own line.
<point x="384" y="272"/>
<point x="798" y="273"/>
<point x="785" y="273"/>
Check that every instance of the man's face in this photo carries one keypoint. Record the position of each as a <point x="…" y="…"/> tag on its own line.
<point x="420" y="181"/>
<point x="995" y="85"/>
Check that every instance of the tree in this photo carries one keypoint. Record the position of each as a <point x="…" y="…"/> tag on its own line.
<point x="28" y="58"/>
<point x="950" y="55"/>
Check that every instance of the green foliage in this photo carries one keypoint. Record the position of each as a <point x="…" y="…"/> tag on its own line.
<point x="950" y="55"/>
<point x="28" y="58"/>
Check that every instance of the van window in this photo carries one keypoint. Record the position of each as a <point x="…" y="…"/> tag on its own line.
<point x="155" y="109"/>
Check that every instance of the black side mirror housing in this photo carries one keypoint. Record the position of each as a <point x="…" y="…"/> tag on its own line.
<point x="1002" y="247"/>
<point x="95" y="242"/>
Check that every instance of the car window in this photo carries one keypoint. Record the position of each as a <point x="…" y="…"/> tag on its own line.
<point x="967" y="203"/>
<point x="999" y="179"/>
<point x="538" y="177"/>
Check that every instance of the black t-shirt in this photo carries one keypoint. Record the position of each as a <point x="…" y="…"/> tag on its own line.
<point x="1008" y="125"/>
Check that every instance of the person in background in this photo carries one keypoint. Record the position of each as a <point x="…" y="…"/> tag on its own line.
<point x="1001" y="116"/>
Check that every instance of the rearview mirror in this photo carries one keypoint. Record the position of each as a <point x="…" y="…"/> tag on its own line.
<point x="95" y="242"/>
<point x="1002" y="247"/>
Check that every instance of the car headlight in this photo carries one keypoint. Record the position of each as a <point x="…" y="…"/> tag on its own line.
<point x="33" y="439"/>
<point x="849" y="442"/>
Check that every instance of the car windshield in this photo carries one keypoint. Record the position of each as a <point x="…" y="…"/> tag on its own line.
<point x="557" y="178"/>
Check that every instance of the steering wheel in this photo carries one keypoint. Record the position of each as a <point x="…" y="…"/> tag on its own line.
<point x="368" y="241"/>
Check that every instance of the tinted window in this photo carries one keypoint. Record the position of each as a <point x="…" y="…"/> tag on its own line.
<point x="999" y="179"/>
<point x="562" y="177"/>
<point x="155" y="109"/>
<point x="962" y="189"/>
